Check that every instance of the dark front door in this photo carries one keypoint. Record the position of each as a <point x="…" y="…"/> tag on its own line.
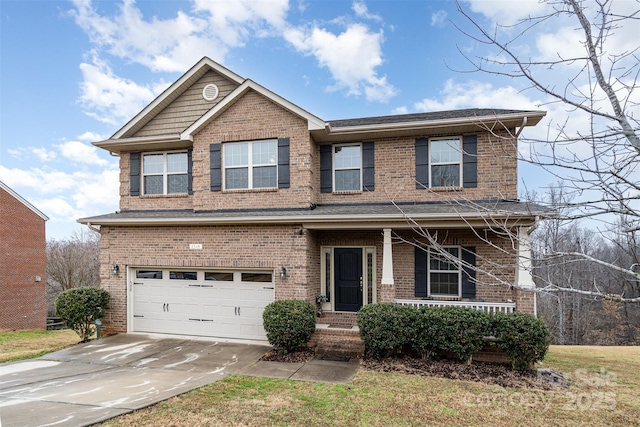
<point x="348" y="279"/>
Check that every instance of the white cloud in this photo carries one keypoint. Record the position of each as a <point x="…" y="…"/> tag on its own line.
<point x="474" y="94"/>
<point x="40" y="153"/>
<point x="174" y="44"/>
<point x="400" y="110"/>
<point x="109" y="98"/>
<point x="80" y="152"/>
<point x="507" y="12"/>
<point x="351" y="57"/>
<point x="361" y="11"/>
<point x="439" y="18"/>
<point x="90" y="137"/>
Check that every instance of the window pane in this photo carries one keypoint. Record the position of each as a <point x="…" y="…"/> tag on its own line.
<point x="236" y="178"/>
<point x="152" y="163"/>
<point x="178" y="184"/>
<point x="153" y="184"/>
<point x="439" y="262"/>
<point x="183" y="275"/>
<point x="265" y="152"/>
<point x="257" y="277"/>
<point x="347" y="157"/>
<point x="218" y="276"/>
<point x="445" y="151"/>
<point x="328" y="275"/>
<point x="148" y="274"/>
<point x="264" y="177"/>
<point x="445" y="175"/>
<point x="177" y="162"/>
<point x="444" y="283"/>
<point x="236" y="154"/>
<point x="347" y="180"/>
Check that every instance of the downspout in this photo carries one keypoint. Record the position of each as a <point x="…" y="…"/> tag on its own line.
<point x="96" y="229"/>
<point x="524" y="123"/>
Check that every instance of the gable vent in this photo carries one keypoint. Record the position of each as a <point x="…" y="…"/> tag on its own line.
<point x="210" y="92"/>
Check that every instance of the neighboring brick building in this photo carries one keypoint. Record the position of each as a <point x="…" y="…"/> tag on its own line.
<point x="23" y="263"/>
<point x="232" y="196"/>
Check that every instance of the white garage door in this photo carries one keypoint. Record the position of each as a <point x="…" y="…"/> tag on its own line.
<point x="205" y="303"/>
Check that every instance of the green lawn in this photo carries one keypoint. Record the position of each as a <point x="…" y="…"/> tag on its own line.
<point x="605" y="385"/>
<point x="27" y="344"/>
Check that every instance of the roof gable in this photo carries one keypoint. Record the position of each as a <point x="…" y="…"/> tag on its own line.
<point x="22" y="200"/>
<point x="173" y="92"/>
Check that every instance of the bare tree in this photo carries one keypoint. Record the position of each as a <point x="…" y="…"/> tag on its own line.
<point x="598" y="159"/>
<point x="72" y="263"/>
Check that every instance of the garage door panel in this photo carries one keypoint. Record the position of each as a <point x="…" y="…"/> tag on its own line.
<point x="200" y="307"/>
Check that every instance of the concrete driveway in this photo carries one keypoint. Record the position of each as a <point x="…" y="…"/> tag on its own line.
<point x="102" y="379"/>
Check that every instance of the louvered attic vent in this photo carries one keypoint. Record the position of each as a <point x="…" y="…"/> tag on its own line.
<point x="210" y="92"/>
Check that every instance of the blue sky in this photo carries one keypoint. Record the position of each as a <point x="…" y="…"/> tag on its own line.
<point x="74" y="72"/>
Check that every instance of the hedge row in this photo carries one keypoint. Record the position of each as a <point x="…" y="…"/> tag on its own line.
<point x="390" y="329"/>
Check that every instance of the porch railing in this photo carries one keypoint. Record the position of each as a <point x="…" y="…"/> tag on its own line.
<point x="489" y="307"/>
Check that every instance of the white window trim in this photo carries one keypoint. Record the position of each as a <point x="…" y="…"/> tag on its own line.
<point x="334" y="168"/>
<point x="324" y="280"/>
<point x="164" y="174"/>
<point x="459" y="271"/>
<point x="459" y="162"/>
<point x="250" y="166"/>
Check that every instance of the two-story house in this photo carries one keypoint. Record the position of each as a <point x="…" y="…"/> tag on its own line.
<point x="232" y="197"/>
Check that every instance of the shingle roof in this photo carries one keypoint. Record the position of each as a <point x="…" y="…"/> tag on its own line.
<point x="334" y="214"/>
<point x="425" y="117"/>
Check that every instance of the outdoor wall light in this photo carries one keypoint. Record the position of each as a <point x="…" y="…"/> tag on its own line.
<point x="115" y="269"/>
<point x="283" y="273"/>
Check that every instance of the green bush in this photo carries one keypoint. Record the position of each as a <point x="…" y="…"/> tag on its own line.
<point x="461" y="330"/>
<point x="80" y="307"/>
<point x="386" y="328"/>
<point x="289" y="324"/>
<point x="523" y="337"/>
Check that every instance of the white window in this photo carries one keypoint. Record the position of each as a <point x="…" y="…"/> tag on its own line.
<point x="165" y="173"/>
<point x="445" y="160"/>
<point x="250" y="164"/>
<point x="445" y="278"/>
<point x="347" y="167"/>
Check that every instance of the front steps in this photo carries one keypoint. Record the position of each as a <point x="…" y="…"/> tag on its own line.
<point x="337" y="340"/>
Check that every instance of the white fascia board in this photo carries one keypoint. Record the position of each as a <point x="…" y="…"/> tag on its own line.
<point x="434" y="124"/>
<point x="185" y="78"/>
<point x="313" y="122"/>
<point x="22" y="200"/>
<point x="327" y="222"/>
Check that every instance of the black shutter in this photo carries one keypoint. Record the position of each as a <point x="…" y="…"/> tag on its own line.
<point x="470" y="161"/>
<point x="469" y="274"/>
<point x="134" y="174"/>
<point x="368" y="175"/>
<point x="215" y="162"/>
<point x="326" y="181"/>
<point x="422" y="163"/>
<point x="421" y="271"/>
<point x="190" y="171"/>
<point x="283" y="163"/>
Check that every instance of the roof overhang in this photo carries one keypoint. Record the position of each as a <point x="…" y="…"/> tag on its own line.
<point x="492" y="123"/>
<point x="327" y="222"/>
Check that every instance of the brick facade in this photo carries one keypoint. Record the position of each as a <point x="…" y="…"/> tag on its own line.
<point x="256" y="115"/>
<point x="22" y="258"/>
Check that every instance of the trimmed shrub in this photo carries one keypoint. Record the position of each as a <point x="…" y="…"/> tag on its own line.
<point x="457" y="330"/>
<point x="523" y="337"/>
<point x="79" y="308"/>
<point x="289" y="324"/>
<point x="386" y="328"/>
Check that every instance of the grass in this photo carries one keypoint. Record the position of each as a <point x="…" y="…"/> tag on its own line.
<point x="604" y="385"/>
<point x="20" y="345"/>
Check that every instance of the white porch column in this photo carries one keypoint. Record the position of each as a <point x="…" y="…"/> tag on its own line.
<point x="387" y="258"/>
<point x="523" y="274"/>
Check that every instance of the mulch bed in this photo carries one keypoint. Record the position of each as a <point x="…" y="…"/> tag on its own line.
<point x="299" y="356"/>
<point x="488" y="373"/>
